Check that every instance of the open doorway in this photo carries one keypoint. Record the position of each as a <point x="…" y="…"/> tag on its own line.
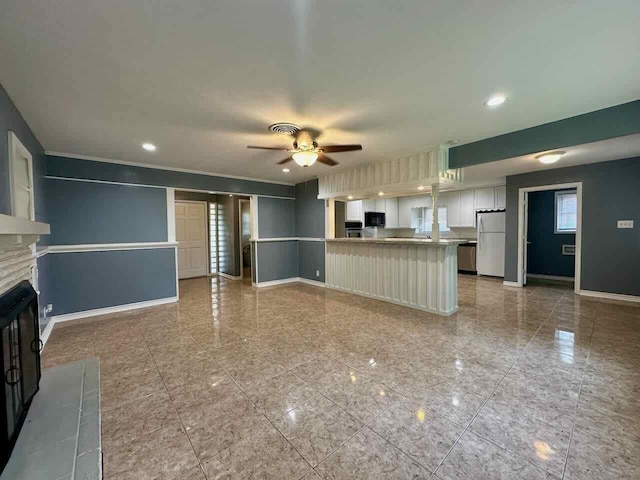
<point x="549" y="235"/>
<point x="245" y="238"/>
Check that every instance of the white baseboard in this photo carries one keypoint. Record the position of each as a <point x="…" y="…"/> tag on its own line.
<point x="284" y="281"/>
<point x="47" y="332"/>
<point x="610" y="296"/>
<point x="308" y="281"/>
<point x="550" y="277"/>
<point x="230" y="277"/>
<point x="115" y="309"/>
<point x="510" y="284"/>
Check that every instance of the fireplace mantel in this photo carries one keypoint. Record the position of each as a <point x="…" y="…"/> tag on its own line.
<point x="16" y="232"/>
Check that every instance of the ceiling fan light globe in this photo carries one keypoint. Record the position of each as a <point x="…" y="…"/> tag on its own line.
<point x="305" y="159"/>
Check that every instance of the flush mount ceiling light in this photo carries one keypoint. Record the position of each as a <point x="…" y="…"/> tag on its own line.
<point x="305" y="158"/>
<point x="380" y="194"/>
<point x="149" y="147"/>
<point x="350" y="197"/>
<point x="551" y="157"/>
<point x="421" y="187"/>
<point x="494" y="101"/>
<point x="286" y="170"/>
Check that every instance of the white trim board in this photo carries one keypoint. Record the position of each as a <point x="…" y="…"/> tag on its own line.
<point x="511" y="284"/>
<point x="285" y="281"/>
<point x="610" y="296"/>
<point x="287" y="239"/>
<point x="108" y="247"/>
<point x="550" y="277"/>
<point x="522" y="195"/>
<point x="147" y="185"/>
<point x="115" y="309"/>
<point x="46" y="333"/>
<point x="227" y="276"/>
<point x="160" y="167"/>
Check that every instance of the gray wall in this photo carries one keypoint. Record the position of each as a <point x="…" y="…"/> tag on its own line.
<point x="91" y="280"/>
<point x="544" y="254"/>
<point x="610" y="256"/>
<point x="311" y="260"/>
<point x="309" y="210"/>
<point x="277" y="260"/>
<point x="276" y="217"/>
<point x="310" y="224"/>
<point x="84" y="213"/>
<point x="74" y="168"/>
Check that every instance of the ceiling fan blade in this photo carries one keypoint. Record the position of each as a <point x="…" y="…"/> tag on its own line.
<point x="268" y="148"/>
<point x="340" y="148"/>
<point x="286" y="160"/>
<point x="327" y="161"/>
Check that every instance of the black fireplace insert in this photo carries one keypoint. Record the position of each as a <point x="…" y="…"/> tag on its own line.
<point x="20" y="347"/>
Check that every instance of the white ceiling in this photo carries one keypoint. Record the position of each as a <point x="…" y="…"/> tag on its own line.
<point x="203" y="79"/>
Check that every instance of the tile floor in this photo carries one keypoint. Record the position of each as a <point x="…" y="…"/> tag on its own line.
<point x="302" y="382"/>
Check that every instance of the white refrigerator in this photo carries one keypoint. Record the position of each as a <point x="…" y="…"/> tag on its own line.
<point x="490" y="248"/>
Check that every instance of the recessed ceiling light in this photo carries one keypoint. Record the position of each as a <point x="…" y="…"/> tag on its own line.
<point x="421" y="187"/>
<point x="350" y="197"/>
<point x="231" y="195"/>
<point x="551" y="157"/>
<point x="380" y="194"/>
<point x="149" y="147"/>
<point x="286" y="170"/>
<point x="494" y="101"/>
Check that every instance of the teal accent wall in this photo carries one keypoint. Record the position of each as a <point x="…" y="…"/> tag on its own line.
<point x="590" y="127"/>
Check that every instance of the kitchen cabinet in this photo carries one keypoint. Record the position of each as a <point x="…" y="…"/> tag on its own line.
<point x="368" y="206"/>
<point x="501" y="197"/>
<point x="354" y="211"/>
<point x="485" y="198"/>
<point x="391" y="212"/>
<point x="380" y="205"/>
<point x="461" y="209"/>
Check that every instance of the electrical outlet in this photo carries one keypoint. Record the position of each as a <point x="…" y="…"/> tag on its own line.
<point x="317" y="273"/>
<point x="625" y="223"/>
<point x="48" y="308"/>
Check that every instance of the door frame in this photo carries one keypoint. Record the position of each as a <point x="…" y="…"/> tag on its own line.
<point x="240" y="202"/>
<point x="522" y="236"/>
<point x="206" y="230"/>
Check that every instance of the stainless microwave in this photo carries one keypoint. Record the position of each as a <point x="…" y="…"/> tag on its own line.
<point x="374" y="219"/>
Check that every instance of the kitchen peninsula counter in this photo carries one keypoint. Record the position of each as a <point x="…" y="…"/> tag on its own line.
<point x="418" y="273"/>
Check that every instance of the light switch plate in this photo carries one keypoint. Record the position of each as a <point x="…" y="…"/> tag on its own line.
<point x="317" y="273"/>
<point x="625" y="223"/>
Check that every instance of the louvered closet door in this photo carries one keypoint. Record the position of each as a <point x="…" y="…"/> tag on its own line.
<point x="191" y="234"/>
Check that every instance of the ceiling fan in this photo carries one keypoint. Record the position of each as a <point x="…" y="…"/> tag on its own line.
<point x="305" y="150"/>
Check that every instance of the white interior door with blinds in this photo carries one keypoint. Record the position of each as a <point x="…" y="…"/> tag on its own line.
<point x="191" y="234"/>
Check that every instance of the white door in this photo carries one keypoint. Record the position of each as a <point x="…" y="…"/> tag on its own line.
<point x="191" y="234"/>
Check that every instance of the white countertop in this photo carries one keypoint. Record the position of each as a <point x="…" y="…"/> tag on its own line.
<point x="398" y="241"/>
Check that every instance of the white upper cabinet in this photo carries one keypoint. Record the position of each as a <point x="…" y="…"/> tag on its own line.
<point x="485" y="198"/>
<point x="368" y="206"/>
<point x="501" y="197"/>
<point x="354" y="211"/>
<point x="391" y="212"/>
<point x="405" y="204"/>
<point x="461" y="209"/>
<point x="467" y="209"/>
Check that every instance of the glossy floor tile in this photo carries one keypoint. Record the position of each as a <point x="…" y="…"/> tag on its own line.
<point x="304" y="382"/>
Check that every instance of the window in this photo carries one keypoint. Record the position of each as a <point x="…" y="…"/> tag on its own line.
<point x="422" y="219"/>
<point x="566" y="211"/>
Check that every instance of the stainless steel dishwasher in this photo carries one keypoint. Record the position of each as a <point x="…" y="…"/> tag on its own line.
<point x="467" y="258"/>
